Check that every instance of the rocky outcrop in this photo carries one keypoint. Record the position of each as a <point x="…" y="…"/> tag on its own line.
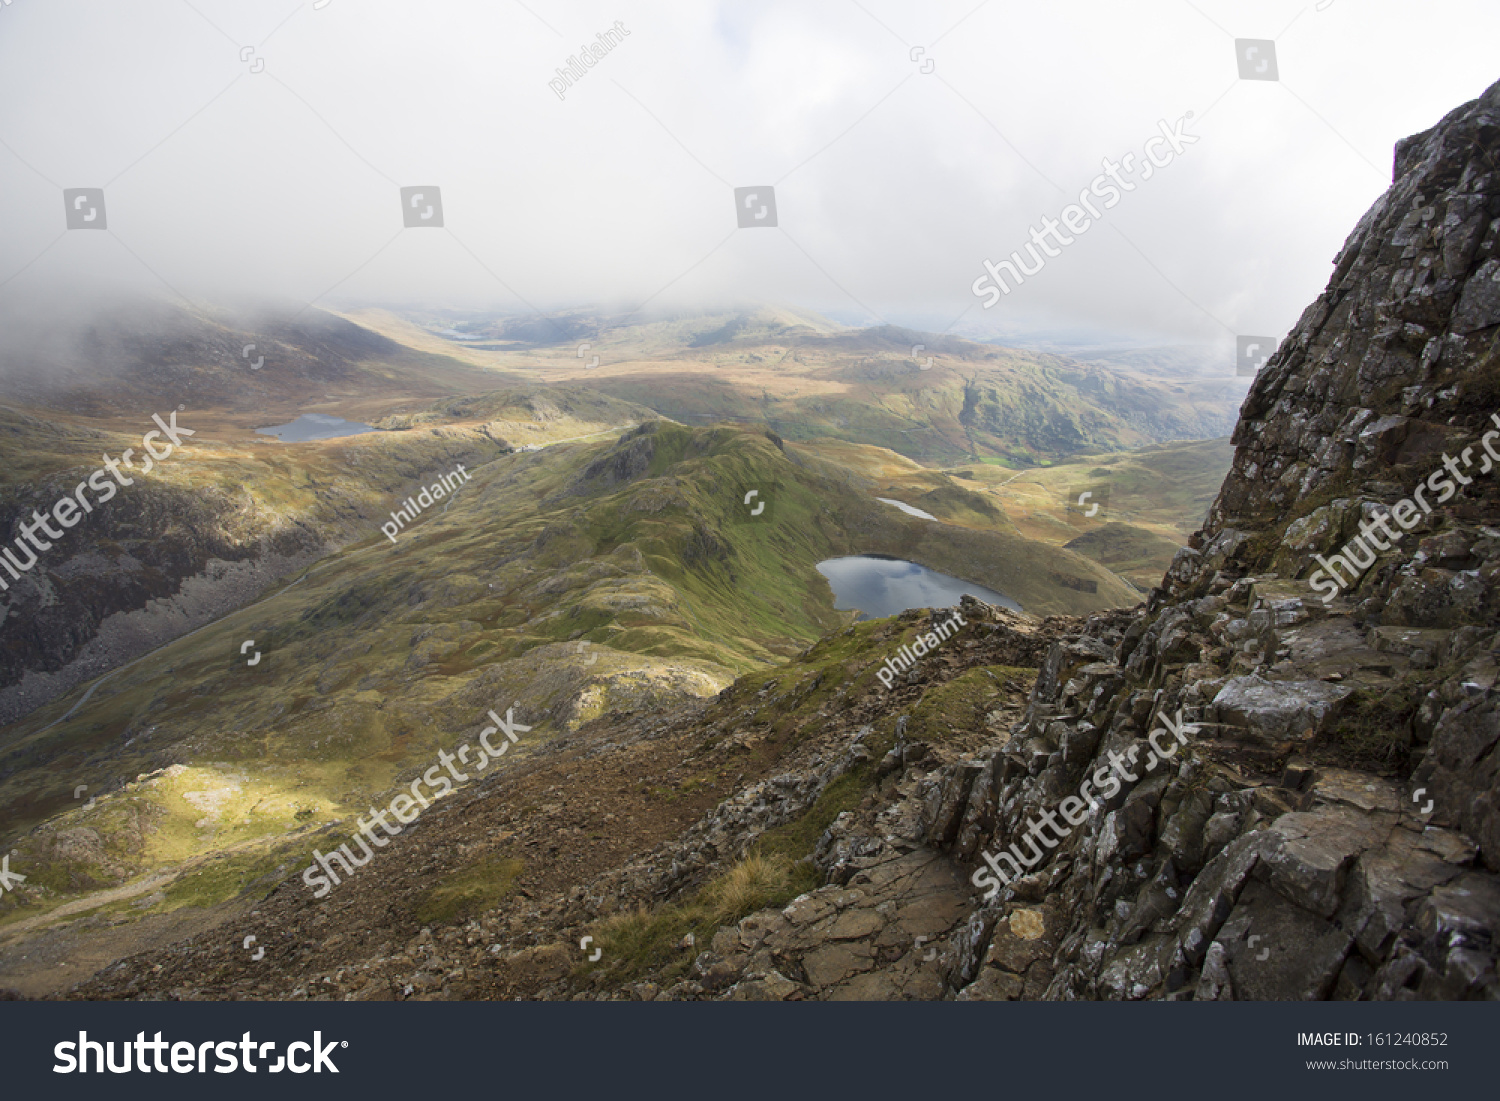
<point x="182" y="547"/>
<point x="167" y="560"/>
<point x="1326" y="825"/>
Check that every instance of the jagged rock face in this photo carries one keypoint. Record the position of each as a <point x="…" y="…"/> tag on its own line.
<point x="162" y="555"/>
<point x="1392" y="370"/>
<point x="1394" y="363"/>
<point x="1327" y="824"/>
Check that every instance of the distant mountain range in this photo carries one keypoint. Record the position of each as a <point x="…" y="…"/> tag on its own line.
<point x="928" y="396"/>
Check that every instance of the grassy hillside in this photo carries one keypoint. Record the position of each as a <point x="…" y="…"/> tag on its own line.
<point x="383" y="654"/>
<point x="205" y="531"/>
<point x="601" y="560"/>
<point x="528" y="416"/>
<point x="1150" y="501"/>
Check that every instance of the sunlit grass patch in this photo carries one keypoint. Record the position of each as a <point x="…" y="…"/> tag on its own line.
<point x="225" y="877"/>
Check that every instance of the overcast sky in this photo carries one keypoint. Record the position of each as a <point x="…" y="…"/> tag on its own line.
<point x="260" y="148"/>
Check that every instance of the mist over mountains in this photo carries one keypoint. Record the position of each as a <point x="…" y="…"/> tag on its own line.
<point x="261" y="152"/>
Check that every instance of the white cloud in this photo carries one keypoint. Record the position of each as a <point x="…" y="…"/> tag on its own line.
<point x="285" y="182"/>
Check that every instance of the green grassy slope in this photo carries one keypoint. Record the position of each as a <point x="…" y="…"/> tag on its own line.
<point x="1151" y="499"/>
<point x="643" y="548"/>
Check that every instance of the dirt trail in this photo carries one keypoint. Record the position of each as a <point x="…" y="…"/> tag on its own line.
<point x="88" y="902"/>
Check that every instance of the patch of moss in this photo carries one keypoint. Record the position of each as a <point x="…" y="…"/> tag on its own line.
<point x="949" y="711"/>
<point x="470" y="892"/>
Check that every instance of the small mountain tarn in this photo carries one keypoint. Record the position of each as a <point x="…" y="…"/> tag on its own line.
<point x="878" y="585"/>
<point x="314" y="426"/>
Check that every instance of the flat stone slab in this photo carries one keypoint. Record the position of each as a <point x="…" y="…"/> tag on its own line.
<point x="1356" y="789"/>
<point x="837" y="962"/>
<point x="1278" y="710"/>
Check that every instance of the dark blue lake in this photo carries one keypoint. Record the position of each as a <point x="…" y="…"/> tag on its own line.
<point x="877" y="586"/>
